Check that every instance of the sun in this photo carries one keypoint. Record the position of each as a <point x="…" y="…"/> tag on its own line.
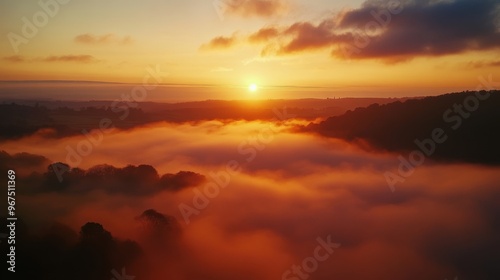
<point x="253" y="87"/>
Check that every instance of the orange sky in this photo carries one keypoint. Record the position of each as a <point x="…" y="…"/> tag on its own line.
<point x="348" y="48"/>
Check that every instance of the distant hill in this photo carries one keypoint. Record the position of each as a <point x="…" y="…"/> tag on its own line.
<point x="24" y="117"/>
<point x="470" y="123"/>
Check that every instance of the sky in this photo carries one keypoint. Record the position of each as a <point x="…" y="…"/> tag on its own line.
<point x="271" y="189"/>
<point x="286" y="48"/>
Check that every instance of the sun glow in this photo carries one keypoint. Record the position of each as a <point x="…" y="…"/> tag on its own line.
<point x="253" y="88"/>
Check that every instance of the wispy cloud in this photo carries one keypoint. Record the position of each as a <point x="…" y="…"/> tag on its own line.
<point x="483" y="64"/>
<point x="71" y="58"/>
<point x="220" y="42"/>
<point x="109" y="38"/>
<point x="14" y="58"/>
<point x="258" y="8"/>
<point x="83" y="58"/>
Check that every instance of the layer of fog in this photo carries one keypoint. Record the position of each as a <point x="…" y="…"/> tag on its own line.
<point x="292" y="188"/>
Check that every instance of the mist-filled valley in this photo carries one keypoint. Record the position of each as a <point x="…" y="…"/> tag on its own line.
<point x="273" y="198"/>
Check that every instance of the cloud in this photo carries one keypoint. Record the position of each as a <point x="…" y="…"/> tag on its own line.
<point x="70" y="58"/>
<point x="109" y="38"/>
<point x="429" y="28"/>
<point x="391" y="31"/>
<point x="15" y="58"/>
<point x="83" y="58"/>
<point x="220" y="42"/>
<point x="255" y="8"/>
<point x="264" y="35"/>
<point x="482" y="64"/>
<point x="307" y="36"/>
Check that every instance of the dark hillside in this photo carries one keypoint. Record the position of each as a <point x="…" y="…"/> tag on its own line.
<point x="470" y="121"/>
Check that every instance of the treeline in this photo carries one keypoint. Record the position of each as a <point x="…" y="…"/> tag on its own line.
<point x="61" y="178"/>
<point x="17" y="120"/>
<point x="55" y="251"/>
<point x="59" y="119"/>
<point x="469" y="124"/>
